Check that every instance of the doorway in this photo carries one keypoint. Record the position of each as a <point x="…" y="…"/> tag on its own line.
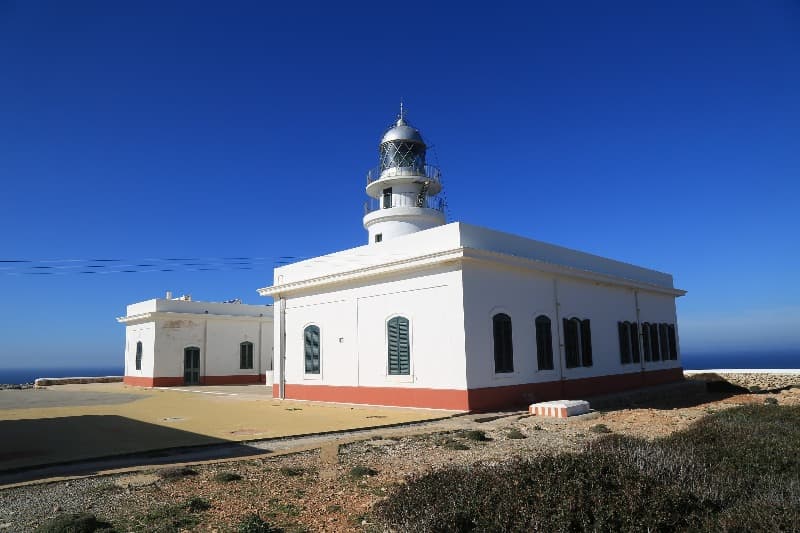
<point x="191" y="366"/>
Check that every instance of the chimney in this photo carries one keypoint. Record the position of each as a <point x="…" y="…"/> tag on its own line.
<point x="169" y="295"/>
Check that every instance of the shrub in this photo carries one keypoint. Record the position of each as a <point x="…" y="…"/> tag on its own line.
<point x="476" y="435"/>
<point x="255" y="524"/>
<point x="292" y="471"/>
<point x="451" y="444"/>
<point x="754" y="388"/>
<point x="362" y="471"/>
<point x="736" y="470"/>
<point x="600" y="428"/>
<point x="515" y="434"/>
<point x="770" y="401"/>
<point x="169" y="518"/>
<point x="227" y="477"/>
<point x="175" y="472"/>
<point x="73" y="523"/>
<point x="196" y="504"/>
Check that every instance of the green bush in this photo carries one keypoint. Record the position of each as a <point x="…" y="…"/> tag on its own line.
<point x="770" y="401"/>
<point x="476" y="435"/>
<point x="175" y="472"/>
<point x="452" y="444"/>
<point x="292" y="471"/>
<point x="600" y="428"/>
<point x="196" y="504"/>
<point x="227" y="477"/>
<point x="736" y="470"/>
<point x="170" y="518"/>
<point x="74" y="523"/>
<point x="255" y="524"/>
<point x="362" y="471"/>
<point x="515" y="434"/>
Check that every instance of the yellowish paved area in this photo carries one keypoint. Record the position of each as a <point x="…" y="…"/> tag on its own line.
<point x="73" y="422"/>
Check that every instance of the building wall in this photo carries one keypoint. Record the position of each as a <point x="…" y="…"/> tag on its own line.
<point x="218" y="340"/>
<point x="146" y="334"/>
<point x="352" y="321"/>
<point x="525" y="294"/>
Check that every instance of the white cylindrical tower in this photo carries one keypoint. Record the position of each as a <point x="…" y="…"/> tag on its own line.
<point x="403" y="189"/>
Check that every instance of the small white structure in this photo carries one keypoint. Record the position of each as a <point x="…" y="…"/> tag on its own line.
<point x="559" y="408"/>
<point x="172" y="342"/>
<point x="454" y="316"/>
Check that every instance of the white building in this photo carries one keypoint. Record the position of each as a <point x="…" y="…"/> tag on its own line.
<point x="172" y="342"/>
<point x="454" y="316"/>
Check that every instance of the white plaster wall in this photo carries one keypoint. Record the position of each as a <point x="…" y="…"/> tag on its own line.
<point x="352" y="321"/>
<point x="523" y="295"/>
<point x="145" y="333"/>
<point x="659" y="308"/>
<point x="224" y="339"/>
<point x="172" y="336"/>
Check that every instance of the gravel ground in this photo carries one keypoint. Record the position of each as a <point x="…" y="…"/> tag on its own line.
<point x="318" y="489"/>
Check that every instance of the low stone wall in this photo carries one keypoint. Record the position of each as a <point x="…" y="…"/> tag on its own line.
<point x="46" y="382"/>
<point x="763" y="380"/>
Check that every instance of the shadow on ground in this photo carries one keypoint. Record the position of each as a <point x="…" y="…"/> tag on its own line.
<point x="683" y="394"/>
<point x="37" y="448"/>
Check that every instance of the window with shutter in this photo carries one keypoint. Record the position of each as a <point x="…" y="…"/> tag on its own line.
<point x="654" y="345"/>
<point x="571" y="343"/>
<point x="624" y="332"/>
<point x="503" y="346"/>
<point x="646" y="345"/>
<point x="246" y="355"/>
<point x="664" y="341"/>
<point x="586" y="342"/>
<point x="311" y="349"/>
<point x="635" y="342"/>
<point x="139" y="355"/>
<point x="398" y="346"/>
<point x="673" y="343"/>
<point x="544" y="343"/>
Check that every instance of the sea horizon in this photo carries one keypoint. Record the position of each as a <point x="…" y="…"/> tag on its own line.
<point x="774" y="360"/>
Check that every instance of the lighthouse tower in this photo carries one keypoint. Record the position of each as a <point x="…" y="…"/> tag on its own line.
<point x="403" y="189"/>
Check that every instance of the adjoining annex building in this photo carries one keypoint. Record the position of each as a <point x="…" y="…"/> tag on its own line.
<point x="455" y="316"/>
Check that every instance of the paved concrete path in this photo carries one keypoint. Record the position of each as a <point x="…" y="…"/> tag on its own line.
<point x="71" y="423"/>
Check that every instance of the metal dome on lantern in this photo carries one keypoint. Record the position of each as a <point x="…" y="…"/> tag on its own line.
<point x="403" y="188"/>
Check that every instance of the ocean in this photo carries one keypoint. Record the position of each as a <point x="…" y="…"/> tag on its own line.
<point x="691" y="361"/>
<point x="10" y="376"/>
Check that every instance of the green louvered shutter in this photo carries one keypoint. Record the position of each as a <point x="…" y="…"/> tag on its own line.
<point x="399" y="351"/>
<point x="586" y="342"/>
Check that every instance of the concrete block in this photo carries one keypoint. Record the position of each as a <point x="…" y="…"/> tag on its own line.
<point x="559" y="408"/>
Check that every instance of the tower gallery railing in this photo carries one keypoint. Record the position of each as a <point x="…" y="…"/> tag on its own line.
<point x="428" y="172"/>
<point x="429" y="202"/>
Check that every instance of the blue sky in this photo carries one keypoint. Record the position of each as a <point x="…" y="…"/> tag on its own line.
<point x="665" y="134"/>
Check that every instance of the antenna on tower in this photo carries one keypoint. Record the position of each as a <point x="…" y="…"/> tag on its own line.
<point x="402" y="112"/>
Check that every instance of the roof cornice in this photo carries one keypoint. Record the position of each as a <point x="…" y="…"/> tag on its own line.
<point x="465" y="254"/>
<point x="172" y="315"/>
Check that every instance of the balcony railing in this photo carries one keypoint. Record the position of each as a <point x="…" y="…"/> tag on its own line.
<point x="429" y="202"/>
<point x="429" y="172"/>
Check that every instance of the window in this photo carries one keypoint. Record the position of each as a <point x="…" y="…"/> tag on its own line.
<point x="387" y="198"/>
<point x="673" y="342"/>
<point x="139" y="355"/>
<point x="503" y="347"/>
<point x="628" y="342"/>
<point x="398" y="346"/>
<point x="577" y="342"/>
<point x="624" y="330"/>
<point x="662" y="333"/>
<point x="544" y="343"/>
<point x="246" y="355"/>
<point x="648" y="354"/>
<point x="654" y="345"/>
<point x="311" y="349"/>
<point x="379" y="237"/>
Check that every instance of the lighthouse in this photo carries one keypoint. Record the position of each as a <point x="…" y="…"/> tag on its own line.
<point x="403" y="188"/>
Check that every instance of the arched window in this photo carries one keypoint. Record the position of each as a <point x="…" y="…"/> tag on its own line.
<point x="503" y="345"/>
<point x="311" y="349"/>
<point x="246" y="355"/>
<point x="577" y="342"/>
<point x="139" y="355"/>
<point x="399" y="351"/>
<point x="544" y="343"/>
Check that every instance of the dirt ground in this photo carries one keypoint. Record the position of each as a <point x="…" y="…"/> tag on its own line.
<point x="333" y="486"/>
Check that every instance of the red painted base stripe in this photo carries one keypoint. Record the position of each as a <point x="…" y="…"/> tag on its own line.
<point x="484" y="399"/>
<point x="235" y="379"/>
